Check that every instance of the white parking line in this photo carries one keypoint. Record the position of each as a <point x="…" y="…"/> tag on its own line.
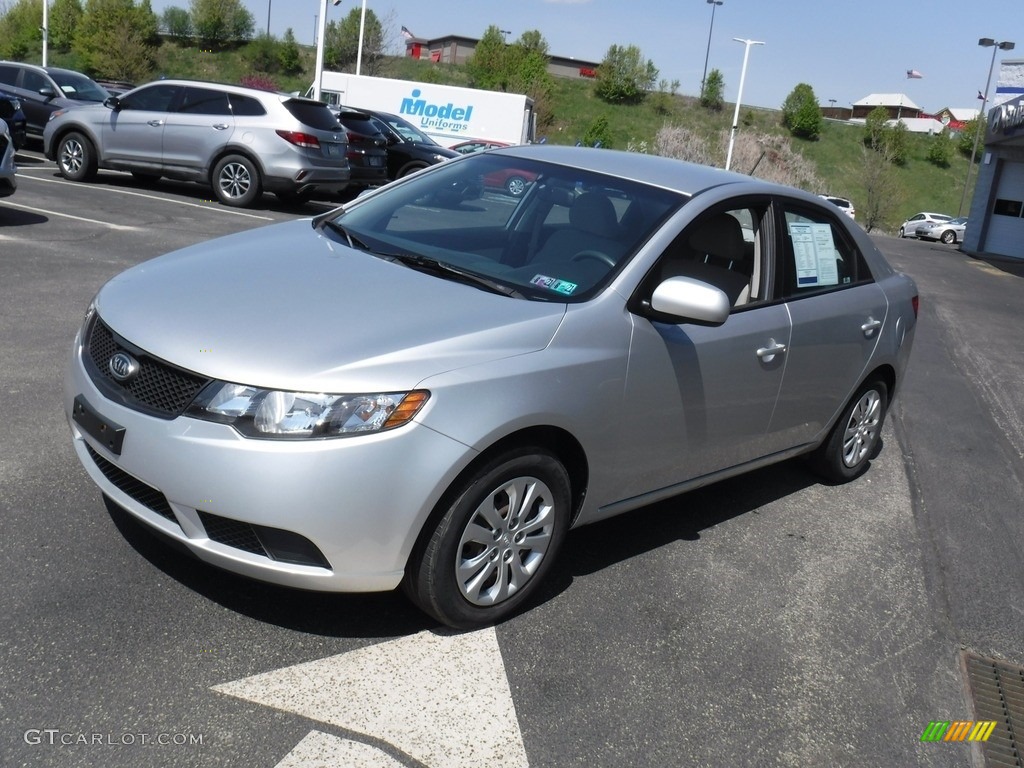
<point x="120" y="227"/>
<point x="218" y="209"/>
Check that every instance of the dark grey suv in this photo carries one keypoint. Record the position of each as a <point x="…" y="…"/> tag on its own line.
<point x="241" y="141"/>
<point x="43" y="90"/>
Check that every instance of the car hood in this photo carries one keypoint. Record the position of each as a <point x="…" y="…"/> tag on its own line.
<point x="285" y="307"/>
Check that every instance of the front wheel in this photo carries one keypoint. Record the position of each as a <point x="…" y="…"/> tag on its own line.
<point x="236" y="181"/>
<point x="516" y="185"/>
<point x="902" y="233"/>
<point x="76" y="157"/>
<point x="856" y="437"/>
<point x="949" y="237"/>
<point x="495" y="541"/>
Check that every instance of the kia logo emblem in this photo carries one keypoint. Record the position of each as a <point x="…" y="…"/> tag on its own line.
<point x="123" y="366"/>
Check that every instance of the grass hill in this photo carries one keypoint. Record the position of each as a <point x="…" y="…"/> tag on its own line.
<point x="836" y="155"/>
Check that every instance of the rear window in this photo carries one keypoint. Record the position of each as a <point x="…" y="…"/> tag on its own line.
<point x="312" y="113"/>
<point x="246" y="106"/>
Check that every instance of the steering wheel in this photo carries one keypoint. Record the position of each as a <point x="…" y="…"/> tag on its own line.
<point x="604" y="258"/>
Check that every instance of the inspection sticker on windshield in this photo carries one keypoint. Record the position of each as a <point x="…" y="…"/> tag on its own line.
<point x="554" y="284"/>
<point x="815" y="253"/>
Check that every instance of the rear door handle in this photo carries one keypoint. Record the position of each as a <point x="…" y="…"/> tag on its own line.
<point x="221" y="126"/>
<point x="870" y="327"/>
<point x="156" y="123"/>
<point x="769" y="352"/>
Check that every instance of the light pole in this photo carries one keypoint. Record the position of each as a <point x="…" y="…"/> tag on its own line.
<point x="45" y="29"/>
<point x="985" y="42"/>
<point x="739" y="96"/>
<point x="359" y="51"/>
<point x="268" y="16"/>
<point x="707" y="53"/>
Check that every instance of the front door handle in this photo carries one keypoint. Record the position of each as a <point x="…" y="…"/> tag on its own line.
<point x="221" y="126"/>
<point x="156" y="123"/>
<point x="870" y="327"/>
<point x="768" y="353"/>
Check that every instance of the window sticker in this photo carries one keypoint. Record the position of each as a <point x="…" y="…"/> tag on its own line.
<point x="554" y="284"/>
<point x="814" y="251"/>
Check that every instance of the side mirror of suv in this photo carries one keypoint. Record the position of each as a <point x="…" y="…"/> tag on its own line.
<point x="47" y="92"/>
<point x="113" y="102"/>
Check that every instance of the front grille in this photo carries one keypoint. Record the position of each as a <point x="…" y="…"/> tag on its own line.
<point x="159" y="388"/>
<point x="231" y="533"/>
<point x="146" y="495"/>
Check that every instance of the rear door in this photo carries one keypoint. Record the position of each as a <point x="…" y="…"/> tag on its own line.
<point x="837" y="313"/>
<point x="133" y="134"/>
<point x="200" y="124"/>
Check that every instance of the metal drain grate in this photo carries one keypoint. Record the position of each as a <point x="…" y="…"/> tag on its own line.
<point x="997" y="689"/>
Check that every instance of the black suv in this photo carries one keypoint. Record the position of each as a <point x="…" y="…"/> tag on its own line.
<point x="10" y="113"/>
<point x="409" y="149"/>
<point x="43" y="90"/>
<point x="367" y="153"/>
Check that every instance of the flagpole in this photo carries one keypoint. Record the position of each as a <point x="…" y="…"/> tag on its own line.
<point x="362" y="26"/>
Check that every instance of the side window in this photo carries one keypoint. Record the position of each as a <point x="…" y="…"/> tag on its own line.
<point x="724" y="249"/>
<point x="156" y="98"/>
<point x="204" y="101"/>
<point x="33" y="81"/>
<point x="245" y="106"/>
<point x="8" y="74"/>
<point x="817" y="254"/>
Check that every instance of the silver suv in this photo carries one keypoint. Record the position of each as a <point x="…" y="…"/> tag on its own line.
<point x="241" y="141"/>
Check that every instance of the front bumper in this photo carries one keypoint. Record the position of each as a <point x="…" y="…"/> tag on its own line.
<point x="359" y="501"/>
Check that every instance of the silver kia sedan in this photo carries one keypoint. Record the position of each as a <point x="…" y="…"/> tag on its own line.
<point x="429" y="387"/>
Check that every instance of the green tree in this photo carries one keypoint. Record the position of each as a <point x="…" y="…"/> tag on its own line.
<point x="598" y="134"/>
<point x="533" y="40"/>
<point x="221" y="21"/>
<point x="940" y="149"/>
<point x="341" y="42"/>
<point x="714" y="90"/>
<point x="177" y="22"/>
<point x="489" y="66"/>
<point x="801" y="113"/>
<point x="623" y="77"/>
<point x="19" y="29"/>
<point x="115" y="39"/>
<point x="64" y="18"/>
<point x="966" y="138"/>
<point x="875" y="128"/>
<point x="288" y="54"/>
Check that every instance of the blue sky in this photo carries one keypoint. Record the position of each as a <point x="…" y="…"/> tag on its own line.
<point x="845" y="49"/>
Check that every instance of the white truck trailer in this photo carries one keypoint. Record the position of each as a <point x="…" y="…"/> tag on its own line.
<point x="449" y="114"/>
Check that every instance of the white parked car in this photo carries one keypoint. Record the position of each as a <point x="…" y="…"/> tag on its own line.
<point x="909" y="227"/>
<point x="842" y="204"/>
<point x="949" y="232"/>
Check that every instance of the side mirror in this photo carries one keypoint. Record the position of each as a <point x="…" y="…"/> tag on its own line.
<point x="112" y="102"/>
<point x="688" y="299"/>
<point x="47" y="92"/>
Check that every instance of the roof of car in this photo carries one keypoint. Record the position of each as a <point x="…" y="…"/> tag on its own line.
<point x="677" y="175"/>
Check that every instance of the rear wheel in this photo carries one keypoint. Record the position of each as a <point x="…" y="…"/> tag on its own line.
<point x="856" y="437"/>
<point x="902" y="233"/>
<point x="495" y="541"/>
<point x="76" y="157"/>
<point x="515" y="186"/>
<point x="236" y="181"/>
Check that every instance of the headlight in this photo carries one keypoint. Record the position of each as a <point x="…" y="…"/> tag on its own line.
<point x="271" y="413"/>
<point x="55" y="113"/>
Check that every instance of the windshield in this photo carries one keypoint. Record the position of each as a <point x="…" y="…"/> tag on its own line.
<point x="406" y="130"/>
<point x="549" y="232"/>
<point x="78" y="87"/>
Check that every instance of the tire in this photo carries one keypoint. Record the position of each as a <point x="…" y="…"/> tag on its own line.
<point x="516" y="185"/>
<point x="410" y="169"/>
<point x="902" y="234"/>
<point x="76" y="157"/>
<point x="856" y="437"/>
<point x="948" y="237"/>
<point x="487" y="553"/>
<point x="236" y="181"/>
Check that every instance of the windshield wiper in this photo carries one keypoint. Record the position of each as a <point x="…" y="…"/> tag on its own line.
<point x="440" y="268"/>
<point x="352" y="240"/>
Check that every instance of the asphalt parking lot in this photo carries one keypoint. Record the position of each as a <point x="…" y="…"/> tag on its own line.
<point x="769" y="620"/>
